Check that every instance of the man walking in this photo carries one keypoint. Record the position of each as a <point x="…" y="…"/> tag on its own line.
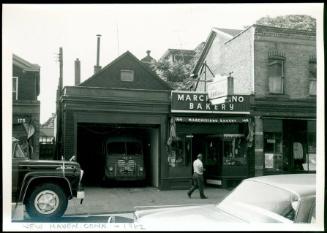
<point x="198" y="181"/>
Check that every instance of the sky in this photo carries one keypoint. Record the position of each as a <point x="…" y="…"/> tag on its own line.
<point x="35" y="32"/>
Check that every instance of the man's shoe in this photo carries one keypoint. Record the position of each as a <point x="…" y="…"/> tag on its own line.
<point x="189" y="195"/>
<point x="204" y="197"/>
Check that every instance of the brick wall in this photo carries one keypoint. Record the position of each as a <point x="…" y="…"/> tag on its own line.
<point x="297" y="53"/>
<point x="237" y="57"/>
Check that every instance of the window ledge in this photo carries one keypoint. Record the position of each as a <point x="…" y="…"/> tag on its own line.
<point x="273" y="95"/>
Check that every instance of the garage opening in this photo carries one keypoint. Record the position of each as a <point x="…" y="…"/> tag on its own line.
<point x="121" y="155"/>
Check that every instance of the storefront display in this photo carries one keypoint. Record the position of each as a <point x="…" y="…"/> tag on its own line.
<point x="219" y="132"/>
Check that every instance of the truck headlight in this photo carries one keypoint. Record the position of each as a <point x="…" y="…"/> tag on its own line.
<point x="141" y="169"/>
<point x="111" y="169"/>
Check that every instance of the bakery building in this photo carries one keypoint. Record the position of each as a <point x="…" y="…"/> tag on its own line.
<point x="220" y="132"/>
<point x="277" y="66"/>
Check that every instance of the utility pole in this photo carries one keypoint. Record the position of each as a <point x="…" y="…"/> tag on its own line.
<point x="58" y="146"/>
<point x="60" y="69"/>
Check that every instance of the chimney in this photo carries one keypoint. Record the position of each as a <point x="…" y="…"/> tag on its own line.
<point x="148" y="52"/>
<point x="77" y="72"/>
<point x="97" y="67"/>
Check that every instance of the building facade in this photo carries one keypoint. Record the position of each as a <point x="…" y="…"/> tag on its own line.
<point x="277" y="66"/>
<point x="26" y="107"/>
<point x="123" y="98"/>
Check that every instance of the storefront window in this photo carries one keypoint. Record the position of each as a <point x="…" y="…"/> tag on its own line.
<point x="310" y="164"/>
<point x="176" y="156"/>
<point x="234" y="151"/>
<point x="273" y="151"/>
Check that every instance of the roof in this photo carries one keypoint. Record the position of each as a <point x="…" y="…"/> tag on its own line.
<point x="25" y="65"/>
<point x="148" y="59"/>
<point x="142" y="65"/>
<point x="50" y="122"/>
<point x="232" y="32"/>
<point x="283" y="30"/>
<point x="46" y="132"/>
<point x="301" y="184"/>
<point x="187" y="52"/>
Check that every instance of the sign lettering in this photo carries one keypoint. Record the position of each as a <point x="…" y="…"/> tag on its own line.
<point x="200" y="103"/>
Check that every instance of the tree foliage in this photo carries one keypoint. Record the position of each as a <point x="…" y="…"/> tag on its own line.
<point x="299" y="22"/>
<point x="177" y="74"/>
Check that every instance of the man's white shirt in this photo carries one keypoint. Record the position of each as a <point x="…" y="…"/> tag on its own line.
<point x="198" y="166"/>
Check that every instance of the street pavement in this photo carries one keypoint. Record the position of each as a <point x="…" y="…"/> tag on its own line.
<point x="102" y="204"/>
<point x="123" y="199"/>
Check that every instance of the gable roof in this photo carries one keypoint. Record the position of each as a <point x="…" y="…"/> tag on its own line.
<point x="120" y="58"/>
<point x="25" y="65"/>
<point x="231" y="33"/>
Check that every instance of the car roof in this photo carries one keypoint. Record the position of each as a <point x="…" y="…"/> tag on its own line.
<point x="301" y="184"/>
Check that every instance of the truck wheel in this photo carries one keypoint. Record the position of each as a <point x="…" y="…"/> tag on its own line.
<point x="46" y="201"/>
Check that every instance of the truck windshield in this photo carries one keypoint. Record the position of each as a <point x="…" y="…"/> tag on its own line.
<point x="134" y="148"/>
<point x="116" y="148"/>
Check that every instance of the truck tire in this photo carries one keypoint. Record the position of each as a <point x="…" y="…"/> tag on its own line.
<point x="46" y="201"/>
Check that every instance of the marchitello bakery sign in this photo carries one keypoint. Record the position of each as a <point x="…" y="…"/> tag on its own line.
<point x="187" y="102"/>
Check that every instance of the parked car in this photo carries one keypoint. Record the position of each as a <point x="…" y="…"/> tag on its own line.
<point x="266" y="199"/>
<point x="44" y="186"/>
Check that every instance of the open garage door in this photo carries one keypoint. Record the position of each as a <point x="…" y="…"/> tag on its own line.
<point x="119" y="155"/>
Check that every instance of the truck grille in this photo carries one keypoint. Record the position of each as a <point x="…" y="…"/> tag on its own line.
<point x="126" y="167"/>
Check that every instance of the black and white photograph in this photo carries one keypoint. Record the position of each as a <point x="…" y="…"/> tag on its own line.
<point x="163" y="117"/>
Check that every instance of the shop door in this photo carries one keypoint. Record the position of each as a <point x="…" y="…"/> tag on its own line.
<point x="213" y="159"/>
<point x="295" y="138"/>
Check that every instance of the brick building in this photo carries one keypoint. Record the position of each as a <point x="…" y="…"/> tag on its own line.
<point x="26" y="107"/>
<point x="277" y="67"/>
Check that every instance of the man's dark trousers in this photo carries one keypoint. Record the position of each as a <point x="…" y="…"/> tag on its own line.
<point x="198" y="183"/>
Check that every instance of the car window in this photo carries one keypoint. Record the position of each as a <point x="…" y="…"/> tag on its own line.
<point x="116" y="148"/>
<point x="261" y="195"/>
<point x="134" y="148"/>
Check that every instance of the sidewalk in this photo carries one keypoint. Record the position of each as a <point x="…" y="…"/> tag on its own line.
<point x="119" y="200"/>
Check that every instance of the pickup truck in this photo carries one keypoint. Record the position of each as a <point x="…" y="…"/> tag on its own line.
<point x="44" y="186"/>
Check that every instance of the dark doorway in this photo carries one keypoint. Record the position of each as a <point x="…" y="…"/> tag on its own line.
<point x="91" y="149"/>
<point x="295" y="143"/>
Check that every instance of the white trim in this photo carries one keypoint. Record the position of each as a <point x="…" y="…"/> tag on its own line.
<point x="190" y="111"/>
<point x="189" y="92"/>
<point x="211" y="181"/>
<point x="16" y="77"/>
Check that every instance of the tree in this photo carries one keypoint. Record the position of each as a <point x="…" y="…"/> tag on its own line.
<point x="177" y="74"/>
<point x="299" y="22"/>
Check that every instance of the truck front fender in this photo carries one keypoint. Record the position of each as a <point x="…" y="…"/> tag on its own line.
<point x="32" y="178"/>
